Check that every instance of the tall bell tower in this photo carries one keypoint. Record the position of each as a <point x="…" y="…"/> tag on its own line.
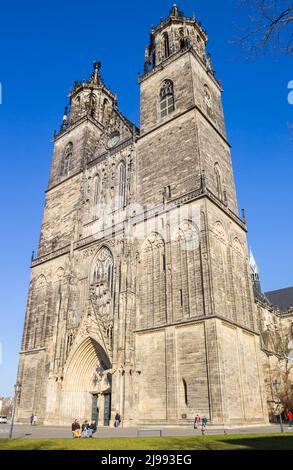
<point x="196" y="304"/>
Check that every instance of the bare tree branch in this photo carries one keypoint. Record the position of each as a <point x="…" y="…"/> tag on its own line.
<point x="269" y="27"/>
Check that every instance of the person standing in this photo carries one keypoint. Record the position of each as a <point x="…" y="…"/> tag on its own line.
<point x="35" y="420"/>
<point x="196" y="421"/>
<point x="290" y="418"/>
<point x="32" y="419"/>
<point x="203" y="425"/>
<point x="117" y="420"/>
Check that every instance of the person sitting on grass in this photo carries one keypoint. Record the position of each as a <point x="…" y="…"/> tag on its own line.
<point x="93" y="426"/>
<point x="75" y="428"/>
<point x="86" y="429"/>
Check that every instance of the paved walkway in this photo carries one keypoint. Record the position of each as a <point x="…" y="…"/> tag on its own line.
<point x="21" y="431"/>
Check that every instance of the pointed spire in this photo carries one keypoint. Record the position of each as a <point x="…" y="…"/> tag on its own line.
<point x="65" y="114"/>
<point x="175" y="12"/>
<point x="95" y="78"/>
<point x="253" y="264"/>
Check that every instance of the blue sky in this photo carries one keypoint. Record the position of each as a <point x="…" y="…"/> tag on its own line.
<point x="45" y="46"/>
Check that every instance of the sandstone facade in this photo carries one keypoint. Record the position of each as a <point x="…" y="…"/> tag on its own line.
<point x="140" y="297"/>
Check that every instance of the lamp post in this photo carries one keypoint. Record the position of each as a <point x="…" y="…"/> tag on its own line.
<point x="17" y="388"/>
<point x="276" y="386"/>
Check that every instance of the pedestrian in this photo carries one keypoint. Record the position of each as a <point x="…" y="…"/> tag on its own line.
<point x="75" y="428"/>
<point x="117" y="420"/>
<point x="196" y="421"/>
<point x="203" y="425"/>
<point x="35" y="420"/>
<point x="290" y="418"/>
<point x="32" y="419"/>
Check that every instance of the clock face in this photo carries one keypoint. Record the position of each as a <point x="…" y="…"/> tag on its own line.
<point x="114" y="139"/>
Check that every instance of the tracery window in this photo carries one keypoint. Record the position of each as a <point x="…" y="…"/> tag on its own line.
<point x="167" y="103"/>
<point x="122" y="185"/>
<point x="103" y="271"/>
<point x="67" y="160"/>
<point x="97" y="190"/>
<point x="166" y="45"/>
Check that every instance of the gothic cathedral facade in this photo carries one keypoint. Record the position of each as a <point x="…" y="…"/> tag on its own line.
<point x="140" y="299"/>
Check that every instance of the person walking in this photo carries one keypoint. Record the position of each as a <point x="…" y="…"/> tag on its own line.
<point x="203" y="425"/>
<point x="35" y="420"/>
<point x="75" y="428"/>
<point x="290" y="418"/>
<point x="196" y="421"/>
<point x="117" y="420"/>
<point x="32" y="419"/>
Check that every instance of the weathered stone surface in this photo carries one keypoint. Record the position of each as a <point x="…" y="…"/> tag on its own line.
<point x="128" y="301"/>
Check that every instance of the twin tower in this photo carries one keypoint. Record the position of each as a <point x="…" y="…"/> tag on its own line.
<point x="140" y="298"/>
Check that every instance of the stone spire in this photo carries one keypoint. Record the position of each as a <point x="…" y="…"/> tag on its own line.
<point x="255" y="275"/>
<point x="95" y="78"/>
<point x="175" y="12"/>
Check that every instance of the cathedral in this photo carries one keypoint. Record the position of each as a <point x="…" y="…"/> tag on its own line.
<point x="143" y="299"/>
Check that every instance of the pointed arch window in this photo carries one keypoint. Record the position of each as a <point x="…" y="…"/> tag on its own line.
<point x="218" y="181"/>
<point x="122" y="185"/>
<point x="103" y="270"/>
<point x="104" y="108"/>
<point x="97" y="190"/>
<point x="167" y="104"/>
<point x="67" y="160"/>
<point x="166" y="45"/>
<point x="208" y="97"/>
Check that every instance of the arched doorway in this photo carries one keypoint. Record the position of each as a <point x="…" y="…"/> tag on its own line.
<point x="86" y="390"/>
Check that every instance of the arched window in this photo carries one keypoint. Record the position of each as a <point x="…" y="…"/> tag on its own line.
<point x="97" y="198"/>
<point x="67" y="160"/>
<point x="167" y="104"/>
<point x="122" y="185"/>
<point x="166" y="45"/>
<point x="185" y="392"/>
<point x="103" y="271"/>
<point x="104" y="107"/>
<point x="218" y="181"/>
<point x="207" y="97"/>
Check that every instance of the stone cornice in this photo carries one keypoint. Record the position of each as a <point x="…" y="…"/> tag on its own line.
<point x="138" y="218"/>
<point x="75" y="124"/>
<point x="175" y="116"/>
<point x="194" y="320"/>
<point x="174" y="56"/>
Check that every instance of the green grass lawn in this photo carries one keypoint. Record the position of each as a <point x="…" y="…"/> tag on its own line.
<point x="219" y="442"/>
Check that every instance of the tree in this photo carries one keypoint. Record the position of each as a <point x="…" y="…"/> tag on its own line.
<point x="270" y="27"/>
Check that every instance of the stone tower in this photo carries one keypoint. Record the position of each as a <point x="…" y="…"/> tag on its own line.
<point x="141" y="298"/>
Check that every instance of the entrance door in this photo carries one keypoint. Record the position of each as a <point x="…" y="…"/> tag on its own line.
<point x="95" y="409"/>
<point x="107" y="409"/>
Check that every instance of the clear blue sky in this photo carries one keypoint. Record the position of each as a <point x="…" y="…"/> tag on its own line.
<point x="47" y="45"/>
